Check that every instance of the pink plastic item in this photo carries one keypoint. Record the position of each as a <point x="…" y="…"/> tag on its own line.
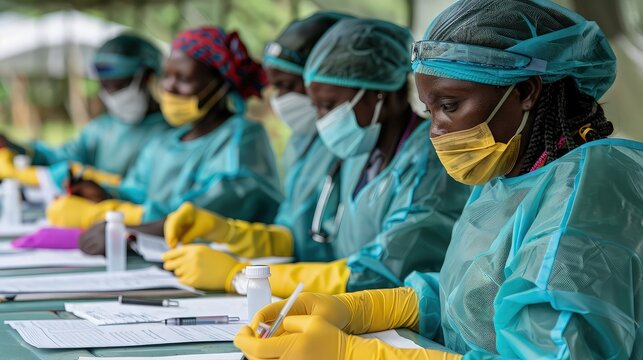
<point x="49" y="238"/>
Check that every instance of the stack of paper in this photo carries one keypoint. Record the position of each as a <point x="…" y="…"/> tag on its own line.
<point x="91" y="282"/>
<point x="70" y="334"/>
<point x="47" y="258"/>
<point x="112" y="312"/>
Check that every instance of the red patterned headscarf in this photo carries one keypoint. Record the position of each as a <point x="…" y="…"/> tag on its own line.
<point x="225" y="53"/>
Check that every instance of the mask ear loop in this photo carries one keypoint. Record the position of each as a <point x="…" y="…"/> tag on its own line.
<point x="357" y="97"/>
<point x="500" y="103"/>
<point x="378" y="108"/>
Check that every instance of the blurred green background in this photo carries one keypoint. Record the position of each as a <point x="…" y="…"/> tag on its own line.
<point x="53" y="109"/>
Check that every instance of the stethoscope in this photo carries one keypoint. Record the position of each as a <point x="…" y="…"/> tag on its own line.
<point x="316" y="231"/>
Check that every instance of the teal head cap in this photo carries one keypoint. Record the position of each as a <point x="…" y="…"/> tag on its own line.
<point x="290" y="50"/>
<point x="361" y="53"/>
<point x="503" y="42"/>
<point x="126" y="55"/>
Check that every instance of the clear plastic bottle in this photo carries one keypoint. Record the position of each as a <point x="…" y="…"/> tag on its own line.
<point x="115" y="242"/>
<point x="12" y="194"/>
<point x="259" y="291"/>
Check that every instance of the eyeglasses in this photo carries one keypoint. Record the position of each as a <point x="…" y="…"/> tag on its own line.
<point x="429" y="50"/>
<point x="277" y="50"/>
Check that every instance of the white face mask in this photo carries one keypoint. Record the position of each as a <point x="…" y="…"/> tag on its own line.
<point x="341" y="133"/>
<point x="128" y="104"/>
<point x="297" y="111"/>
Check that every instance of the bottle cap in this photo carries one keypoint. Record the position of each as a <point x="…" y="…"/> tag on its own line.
<point x="257" y="271"/>
<point x="21" y="161"/>
<point x="114" y="216"/>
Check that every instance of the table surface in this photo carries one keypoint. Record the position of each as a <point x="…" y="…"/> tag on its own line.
<point x="13" y="347"/>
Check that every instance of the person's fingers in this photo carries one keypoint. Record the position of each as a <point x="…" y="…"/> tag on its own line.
<point x="272" y="348"/>
<point x="267" y="314"/>
<point x="173" y="254"/>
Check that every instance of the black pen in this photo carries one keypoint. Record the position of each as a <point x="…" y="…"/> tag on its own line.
<point x="149" y="302"/>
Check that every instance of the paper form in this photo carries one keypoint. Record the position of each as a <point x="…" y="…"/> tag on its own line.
<point x="392" y="338"/>
<point x="6" y="248"/>
<point x="149" y="278"/>
<point x="151" y="248"/>
<point x="49" y="258"/>
<point x="112" y="312"/>
<point x="74" y="334"/>
<point x="219" y="356"/>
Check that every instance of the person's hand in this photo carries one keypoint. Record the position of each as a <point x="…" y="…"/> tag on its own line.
<point x="7" y="170"/>
<point x="306" y="337"/>
<point x="328" y="307"/>
<point x="200" y="266"/>
<point x="311" y="337"/>
<point x="89" y="190"/>
<point x="92" y="241"/>
<point x="74" y="211"/>
<point x="188" y="223"/>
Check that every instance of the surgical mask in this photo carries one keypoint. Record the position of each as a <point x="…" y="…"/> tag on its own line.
<point x="128" y="104"/>
<point x="473" y="156"/>
<point x="179" y="110"/>
<point x="297" y="111"/>
<point x="341" y="133"/>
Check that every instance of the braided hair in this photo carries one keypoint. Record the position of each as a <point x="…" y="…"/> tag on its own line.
<point x="565" y="119"/>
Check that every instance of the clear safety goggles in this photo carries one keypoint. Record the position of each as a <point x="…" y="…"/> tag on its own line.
<point x="429" y="50"/>
<point x="276" y="50"/>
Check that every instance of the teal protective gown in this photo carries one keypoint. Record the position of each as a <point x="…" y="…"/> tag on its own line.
<point x="307" y="162"/>
<point x="547" y="264"/>
<point x="230" y="171"/>
<point x="105" y="143"/>
<point x="405" y="212"/>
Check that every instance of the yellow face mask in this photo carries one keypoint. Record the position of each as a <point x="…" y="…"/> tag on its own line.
<point x="179" y="110"/>
<point x="473" y="156"/>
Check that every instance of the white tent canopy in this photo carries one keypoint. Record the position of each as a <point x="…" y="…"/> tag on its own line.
<point x="53" y="44"/>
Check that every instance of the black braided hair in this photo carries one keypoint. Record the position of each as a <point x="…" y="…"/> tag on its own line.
<point x="561" y="111"/>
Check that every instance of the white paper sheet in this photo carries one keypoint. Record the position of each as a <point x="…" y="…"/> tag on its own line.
<point x="151" y="248"/>
<point x="6" y="248"/>
<point x="112" y="312"/>
<point x="149" y="278"/>
<point x="391" y="337"/>
<point x="220" y="356"/>
<point x="49" y="258"/>
<point x="74" y="334"/>
<point x="16" y="230"/>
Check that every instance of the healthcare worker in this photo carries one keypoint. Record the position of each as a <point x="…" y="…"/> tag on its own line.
<point x="382" y="208"/>
<point x="545" y="261"/>
<point x="215" y="157"/>
<point x="306" y="160"/>
<point x="109" y="145"/>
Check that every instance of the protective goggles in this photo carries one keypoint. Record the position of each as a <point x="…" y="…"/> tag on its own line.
<point x="276" y="50"/>
<point x="429" y="50"/>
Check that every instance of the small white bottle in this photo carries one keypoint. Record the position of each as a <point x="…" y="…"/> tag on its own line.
<point x="11" y="202"/>
<point x="115" y="242"/>
<point x="259" y="291"/>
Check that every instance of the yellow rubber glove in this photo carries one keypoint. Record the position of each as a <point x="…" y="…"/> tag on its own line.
<point x="75" y="211"/>
<point x="202" y="267"/>
<point x="248" y="240"/>
<point x="25" y="176"/>
<point x="355" y="313"/>
<point x="97" y="176"/>
<point x="311" y="337"/>
<point x="327" y="278"/>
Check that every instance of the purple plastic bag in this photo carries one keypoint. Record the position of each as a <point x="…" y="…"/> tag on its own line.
<point x="50" y="238"/>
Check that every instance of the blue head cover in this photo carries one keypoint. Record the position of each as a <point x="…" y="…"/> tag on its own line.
<point x="291" y="49"/>
<point x="465" y="40"/>
<point x="125" y="55"/>
<point x="361" y="53"/>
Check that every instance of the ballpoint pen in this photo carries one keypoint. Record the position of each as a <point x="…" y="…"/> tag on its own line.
<point x="149" y="302"/>
<point x="267" y="330"/>
<point x="194" y="320"/>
